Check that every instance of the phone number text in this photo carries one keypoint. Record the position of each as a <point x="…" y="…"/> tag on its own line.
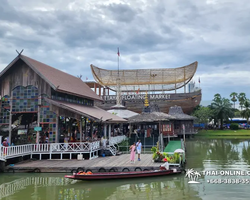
<point x="228" y="181"/>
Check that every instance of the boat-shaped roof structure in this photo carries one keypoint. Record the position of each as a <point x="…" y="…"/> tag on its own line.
<point x="162" y="79"/>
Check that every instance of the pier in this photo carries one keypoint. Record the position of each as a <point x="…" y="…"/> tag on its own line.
<point x="100" y="164"/>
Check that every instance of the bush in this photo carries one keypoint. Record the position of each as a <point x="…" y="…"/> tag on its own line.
<point x="124" y="145"/>
<point x="234" y="126"/>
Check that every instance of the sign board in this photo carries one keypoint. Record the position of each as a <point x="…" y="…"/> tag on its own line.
<point x="22" y="132"/>
<point x="38" y="128"/>
<point x="138" y="97"/>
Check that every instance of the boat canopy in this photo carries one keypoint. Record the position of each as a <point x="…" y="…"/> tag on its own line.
<point x="164" y="79"/>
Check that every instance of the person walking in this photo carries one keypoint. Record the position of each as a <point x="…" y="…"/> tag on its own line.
<point x="132" y="153"/>
<point x="139" y="149"/>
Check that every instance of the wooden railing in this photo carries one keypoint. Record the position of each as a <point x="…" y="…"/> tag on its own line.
<point x="28" y="149"/>
<point x="117" y="139"/>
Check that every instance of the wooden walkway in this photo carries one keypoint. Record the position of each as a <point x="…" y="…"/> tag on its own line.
<point x="118" y="163"/>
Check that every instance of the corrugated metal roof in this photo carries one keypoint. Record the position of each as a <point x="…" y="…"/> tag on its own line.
<point x="88" y="111"/>
<point x="60" y="80"/>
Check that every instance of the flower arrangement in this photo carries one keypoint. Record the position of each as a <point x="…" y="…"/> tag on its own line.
<point x="164" y="157"/>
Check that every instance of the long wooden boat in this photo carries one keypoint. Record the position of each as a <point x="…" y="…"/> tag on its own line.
<point x="122" y="175"/>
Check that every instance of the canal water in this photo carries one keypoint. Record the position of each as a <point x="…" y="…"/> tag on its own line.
<point x="219" y="166"/>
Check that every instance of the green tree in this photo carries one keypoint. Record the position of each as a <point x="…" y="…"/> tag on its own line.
<point x="222" y="108"/>
<point x="237" y="112"/>
<point x="241" y="98"/>
<point x="203" y="114"/>
<point x="233" y="96"/>
<point x="245" y="113"/>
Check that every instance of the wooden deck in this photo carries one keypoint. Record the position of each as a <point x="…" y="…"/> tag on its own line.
<point x="67" y="166"/>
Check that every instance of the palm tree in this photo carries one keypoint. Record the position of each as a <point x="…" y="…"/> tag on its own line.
<point x="190" y="174"/>
<point x="196" y="175"/>
<point x="233" y="96"/>
<point x="241" y="98"/>
<point x="222" y="108"/>
<point x="246" y="112"/>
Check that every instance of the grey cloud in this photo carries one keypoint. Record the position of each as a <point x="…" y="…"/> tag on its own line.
<point x="119" y="12"/>
<point x="149" y="34"/>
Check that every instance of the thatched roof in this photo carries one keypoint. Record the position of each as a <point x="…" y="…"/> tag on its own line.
<point x="150" y="117"/>
<point x="177" y="112"/>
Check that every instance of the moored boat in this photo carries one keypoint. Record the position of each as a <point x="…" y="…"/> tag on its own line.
<point x="122" y="175"/>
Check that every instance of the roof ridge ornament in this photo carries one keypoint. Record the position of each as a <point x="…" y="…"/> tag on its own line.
<point x="146" y="108"/>
<point x="19" y="53"/>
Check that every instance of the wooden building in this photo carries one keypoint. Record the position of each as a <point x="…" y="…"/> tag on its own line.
<point x="183" y="123"/>
<point x="31" y="88"/>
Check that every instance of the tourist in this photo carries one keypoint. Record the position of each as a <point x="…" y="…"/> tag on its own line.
<point x="139" y="149"/>
<point x="5" y="144"/>
<point x="66" y="141"/>
<point x="132" y="153"/>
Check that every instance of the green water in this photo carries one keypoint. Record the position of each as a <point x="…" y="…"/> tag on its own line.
<point x="202" y="155"/>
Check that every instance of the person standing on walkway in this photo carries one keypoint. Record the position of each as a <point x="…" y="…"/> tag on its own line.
<point x="132" y="153"/>
<point x="139" y="149"/>
<point x="5" y="144"/>
<point x="66" y="142"/>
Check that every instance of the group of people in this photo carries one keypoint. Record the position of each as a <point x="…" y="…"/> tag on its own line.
<point x="135" y="147"/>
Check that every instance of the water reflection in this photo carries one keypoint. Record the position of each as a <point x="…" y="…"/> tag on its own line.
<point x="201" y="155"/>
<point x="33" y="187"/>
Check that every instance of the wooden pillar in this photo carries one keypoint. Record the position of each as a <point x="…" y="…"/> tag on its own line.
<point x="100" y="92"/>
<point x="175" y="82"/>
<point x="80" y="130"/>
<point x="57" y="129"/>
<point x="95" y="87"/>
<point x="85" y="128"/>
<point x="38" y="123"/>
<point x="104" y="91"/>
<point x="184" y="80"/>
<point x="105" y="130"/>
<point x="109" y="131"/>
<point x="91" y="129"/>
<point x="2" y="166"/>
<point x="10" y="118"/>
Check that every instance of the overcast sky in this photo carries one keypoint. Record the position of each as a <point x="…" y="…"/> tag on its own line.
<point x="72" y="34"/>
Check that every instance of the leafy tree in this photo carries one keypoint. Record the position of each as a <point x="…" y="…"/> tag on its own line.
<point x="241" y="98"/>
<point x="237" y="112"/>
<point x="222" y="108"/>
<point x="233" y="96"/>
<point x="245" y="113"/>
<point x="203" y="114"/>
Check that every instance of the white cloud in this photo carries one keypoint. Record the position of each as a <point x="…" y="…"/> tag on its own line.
<point x="71" y="35"/>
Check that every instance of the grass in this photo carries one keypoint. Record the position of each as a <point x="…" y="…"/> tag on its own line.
<point x="228" y="133"/>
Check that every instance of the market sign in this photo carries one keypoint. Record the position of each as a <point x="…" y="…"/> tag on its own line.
<point x="38" y="128"/>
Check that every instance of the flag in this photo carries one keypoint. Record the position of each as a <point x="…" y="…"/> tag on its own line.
<point x="199" y="80"/>
<point x="118" y="53"/>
